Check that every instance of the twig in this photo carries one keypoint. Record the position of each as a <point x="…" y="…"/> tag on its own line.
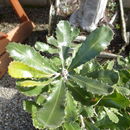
<point x="51" y="16"/>
<point x="82" y="122"/>
<point x="108" y="55"/>
<point x="113" y="18"/>
<point x="80" y="39"/>
<point x="124" y="35"/>
<point x="126" y="44"/>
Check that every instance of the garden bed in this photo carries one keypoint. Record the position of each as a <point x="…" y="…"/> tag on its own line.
<point x="12" y="115"/>
<point x="11" y="112"/>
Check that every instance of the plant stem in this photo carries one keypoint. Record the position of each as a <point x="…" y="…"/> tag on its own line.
<point x="82" y="123"/>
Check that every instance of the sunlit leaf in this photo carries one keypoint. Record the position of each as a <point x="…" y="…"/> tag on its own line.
<point x="41" y="98"/>
<point x="65" y="34"/>
<point x="51" y="40"/>
<point x="32" y="108"/>
<point x="28" y="105"/>
<point x="43" y="47"/>
<point x="31" y="91"/>
<point x="89" y="111"/>
<point x="96" y="42"/>
<point x="112" y="116"/>
<point x="92" y="85"/>
<point x="32" y="83"/>
<point x="19" y="70"/>
<point x="123" y="90"/>
<point x="109" y="65"/>
<point x="29" y="56"/>
<point x="72" y="126"/>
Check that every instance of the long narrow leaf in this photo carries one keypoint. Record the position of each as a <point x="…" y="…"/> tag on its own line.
<point x="32" y="83"/>
<point x="115" y="100"/>
<point x="92" y="85"/>
<point x="52" y="113"/>
<point x="29" y="56"/>
<point x="19" y="70"/>
<point x="43" y="47"/>
<point x="65" y="34"/>
<point x="31" y="91"/>
<point x="71" y="110"/>
<point x="96" y="42"/>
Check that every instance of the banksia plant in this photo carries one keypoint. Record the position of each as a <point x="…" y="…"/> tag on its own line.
<point x="71" y="90"/>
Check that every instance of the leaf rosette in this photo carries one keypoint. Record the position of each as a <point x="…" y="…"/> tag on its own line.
<point x="58" y="88"/>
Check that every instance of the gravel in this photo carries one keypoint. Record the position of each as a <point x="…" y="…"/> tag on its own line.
<point x="12" y="115"/>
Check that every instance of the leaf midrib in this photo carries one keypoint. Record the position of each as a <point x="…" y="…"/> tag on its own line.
<point x="82" y="56"/>
<point x="49" y="117"/>
<point x="32" y="59"/>
<point x="88" y="84"/>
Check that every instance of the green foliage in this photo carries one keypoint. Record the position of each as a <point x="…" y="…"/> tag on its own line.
<point x="72" y="91"/>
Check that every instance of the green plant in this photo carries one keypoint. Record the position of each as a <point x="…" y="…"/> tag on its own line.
<point x="72" y="90"/>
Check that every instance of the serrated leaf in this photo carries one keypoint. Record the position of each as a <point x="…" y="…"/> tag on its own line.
<point x="28" y="105"/>
<point x="92" y="85"/>
<point x="72" y="126"/>
<point x="71" y="112"/>
<point x="31" y="91"/>
<point x="65" y="34"/>
<point x="43" y="47"/>
<point x="32" y="108"/>
<point x="29" y="56"/>
<point x="19" y="70"/>
<point x="64" y="54"/>
<point x="52" y="113"/>
<point x="51" y="40"/>
<point x="41" y="99"/>
<point x="32" y="83"/>
<point x="74" y="33"/>
<point x="124" y="63"/>
<point x="109" y="65"/>
<point x="107" y="76"/>
<point x="112" y="116"/>
<point x="96" y="42"/>
<point x="115" y="110"/>
<point x="78" y="93"/>
<point x="55" y="63"/>
<point x="124" y="77"/>
<point x="89" y="111"/>
<point x="90" y="66"/>
<point x="36" y="123"/>
<point x="115" y="100"/>
<point x="123" y="90"/>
